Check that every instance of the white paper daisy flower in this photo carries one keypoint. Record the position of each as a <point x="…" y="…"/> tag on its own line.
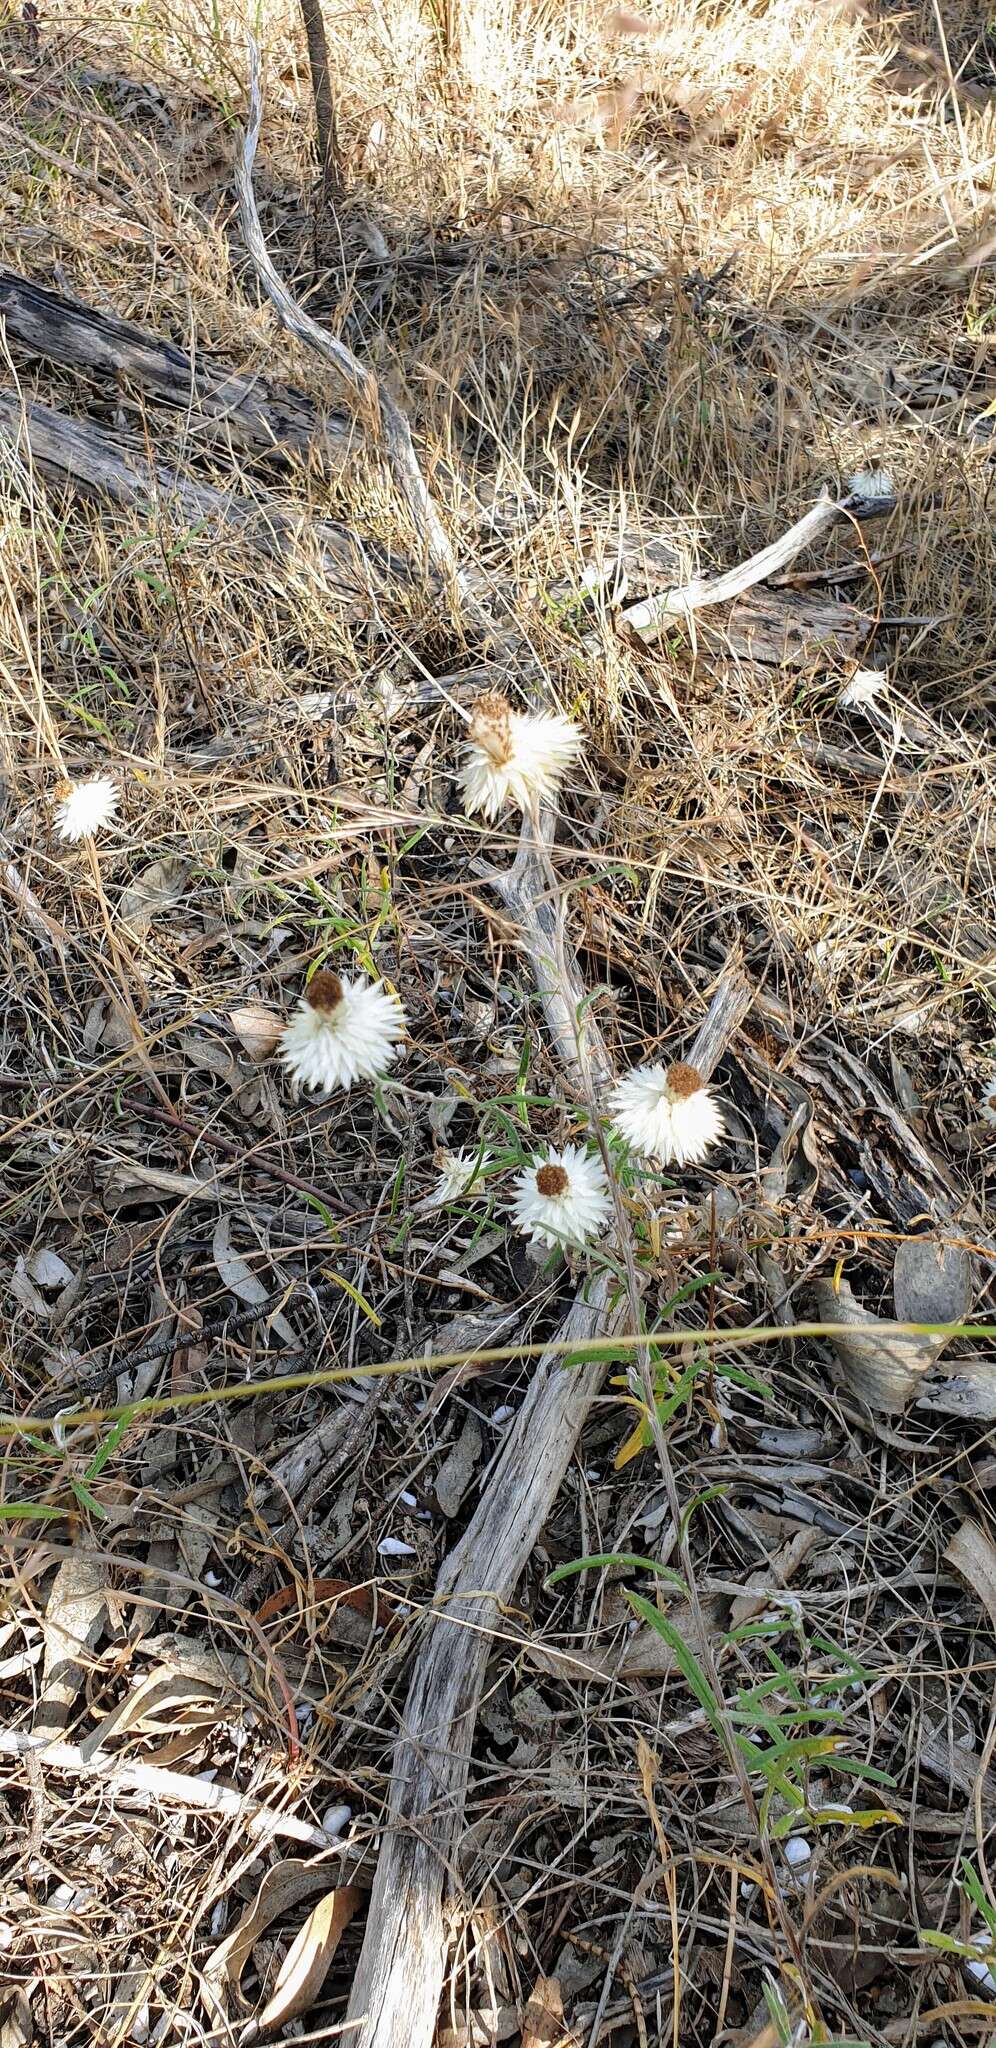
<point x="871" y="484"/>
<point x="85" y="808"/>
<point x="667" y="1114"/>
<point x="342" y="1031"/>
<point x="863" y="689"/>
<point x="459" y="1173"/>
<point x="563" y="1199"/>
<point x="514" y="756"/>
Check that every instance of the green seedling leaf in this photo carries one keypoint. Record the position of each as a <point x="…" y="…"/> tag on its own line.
<point x="628" y="1558"/>
<point x="686" y="1660"/>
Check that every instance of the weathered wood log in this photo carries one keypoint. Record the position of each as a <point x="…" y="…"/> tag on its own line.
<point x="97" y="463"/>
<point x="399" y="1979"/>
<point x="220" y="404"/>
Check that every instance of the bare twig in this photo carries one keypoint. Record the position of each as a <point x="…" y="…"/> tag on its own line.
<point x="650" y="618"/>
<point x="376" y="405"/>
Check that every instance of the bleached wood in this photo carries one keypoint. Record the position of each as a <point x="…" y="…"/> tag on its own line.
<point x="651" y="618"/>
<point x="123" y="1775"/>
<point x="220" y="404"/>
<point x="74" y="451"/>
<point x="399" y="1980"/>
<point x="379" y="411"/>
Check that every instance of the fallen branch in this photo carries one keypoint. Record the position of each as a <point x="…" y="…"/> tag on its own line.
<point x="650" y="618"/>
<point x="375" y="404"/>
<point x="399" y="1979"/>
<point x="248" y="411"/>
<point x="73" y="451"/>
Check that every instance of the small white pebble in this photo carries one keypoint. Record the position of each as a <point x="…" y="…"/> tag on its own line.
<point x="211" y="1579"/>
<point x="410" y="1499"/>
<point x="219" y="1917"/>
<point x="796" y="1851"/>
<point x="392" y="1546"/>
<point x="336" y="1820"/>
<point x="503" y="1414"/>
<point x="6" y="1934"/>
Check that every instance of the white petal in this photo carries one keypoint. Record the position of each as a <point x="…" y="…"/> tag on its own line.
<point x="673" y="1130"/>
<point x="543" y="748"/>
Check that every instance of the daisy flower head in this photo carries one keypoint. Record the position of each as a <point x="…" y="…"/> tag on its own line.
<point x="666" y="1113"/>
<point x="862" y="689"/>
<point x="563" y="1199"/>
<point x="84" y="808"/>
<point x="341" y="1032"/>
<point x="871" y="484"/>
<point x="514" y="757"/>
<point x="456" y="1171"/>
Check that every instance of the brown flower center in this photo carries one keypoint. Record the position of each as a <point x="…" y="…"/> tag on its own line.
<point x="490" y="726"/>
<point x="324" y="991"/>
<point x="552" y="1180"/>
<point x="683" y="1080"/>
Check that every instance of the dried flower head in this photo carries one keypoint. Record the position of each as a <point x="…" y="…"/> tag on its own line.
<point x="85" y="807"/>
<point x="666" y="1114"/>
<point x="862" y="689"/>
<point x="514" y="756"/>
<point x="342" y="1031"/>
<point x="871" y="484"/>
<point x="563" y="1199"/>
<point x="459" y="1173"/>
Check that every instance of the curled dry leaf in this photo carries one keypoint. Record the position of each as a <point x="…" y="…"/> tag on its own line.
<point x="621" y="23"/>
<point x="932" y="1284"/>
<point x="257" y="1029"/>
<point x="159" y="887"/>
<point x="309" y="1959"/>
<point x="283" y="1887"/>
<point x="972" y="1553"/>
<point x="543" y="2020"/>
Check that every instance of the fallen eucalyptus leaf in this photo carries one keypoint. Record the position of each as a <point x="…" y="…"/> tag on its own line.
<point x="283" y="1887"/>
<point x="256" y="1029"/>
<point x="157" y="888"/>
<point x="239" y="1279"/>
<point x="309" y="1959"/>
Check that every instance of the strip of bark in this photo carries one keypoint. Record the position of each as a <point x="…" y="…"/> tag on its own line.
<point x="247" y="411"/>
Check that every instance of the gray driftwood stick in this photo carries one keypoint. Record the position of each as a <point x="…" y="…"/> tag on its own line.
<point x="654" y="615"/>
<point x="76" y="452"/>
<point x="380" y="412"/>
<point x="399" y="1979"/>
<point x="220" y="404"/>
